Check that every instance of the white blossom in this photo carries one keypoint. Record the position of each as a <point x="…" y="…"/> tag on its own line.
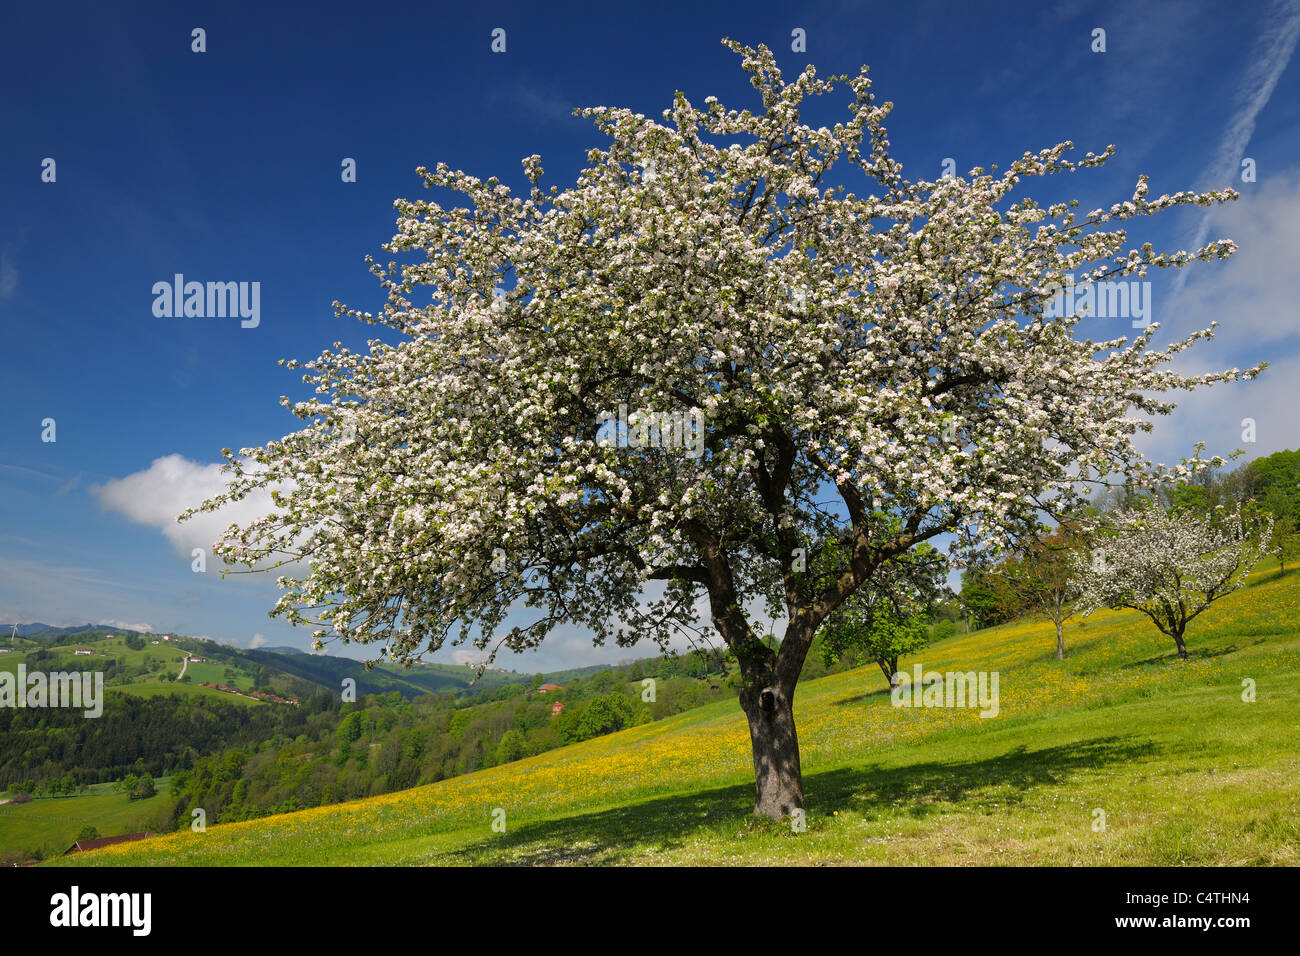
<point x="1170" y="565"/>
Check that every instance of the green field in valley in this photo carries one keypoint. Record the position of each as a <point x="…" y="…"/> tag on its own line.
<point x="55" y="822"/>
<point x="164" y="688"/>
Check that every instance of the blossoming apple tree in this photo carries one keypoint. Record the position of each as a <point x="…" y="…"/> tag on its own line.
<point x="869" y="355"/>
<point x="1171" y="565"/>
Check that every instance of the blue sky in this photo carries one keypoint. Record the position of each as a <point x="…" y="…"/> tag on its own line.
<point x="225" y="166"/>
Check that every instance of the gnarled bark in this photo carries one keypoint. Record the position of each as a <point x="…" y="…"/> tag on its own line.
<point x="777" y="774"/>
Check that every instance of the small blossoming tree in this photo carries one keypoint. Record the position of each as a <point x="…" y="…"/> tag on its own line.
<point x="1171" y="565"/>
<point x="872" y="366"/>
<point x="1042" y="577"/>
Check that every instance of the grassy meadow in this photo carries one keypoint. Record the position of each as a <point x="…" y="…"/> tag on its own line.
<point x="55" y="822"/>
<point x="1119" y="754"/>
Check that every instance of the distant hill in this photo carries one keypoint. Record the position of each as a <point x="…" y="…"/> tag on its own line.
<point x="47" y="631"/>
<point x="329" y="673"/>
<point x="573" y="673"/>
<point x="423" y="678"/>
<point x="281" y="668"/>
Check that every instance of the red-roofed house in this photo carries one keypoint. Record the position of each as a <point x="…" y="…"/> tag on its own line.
<point x="82" y="846"/>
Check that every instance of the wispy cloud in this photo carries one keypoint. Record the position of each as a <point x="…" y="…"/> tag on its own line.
<point x="69" y="486"/>
<point x="1268" y="61"/>
<point x="21" y="470"/>
<point x="8" y="277"/>
<point x="35" y="590"/>
<point x="537" y="104"/>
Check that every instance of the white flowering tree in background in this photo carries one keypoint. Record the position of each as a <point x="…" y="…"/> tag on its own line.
<point x="873" y="368"/>
<point x="1171" y="565"/>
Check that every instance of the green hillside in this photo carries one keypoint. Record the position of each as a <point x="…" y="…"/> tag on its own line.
<point x="1184" y="770"/>
<point x="148" y="669"/>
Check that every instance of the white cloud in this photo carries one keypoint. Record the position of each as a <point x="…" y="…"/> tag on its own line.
<point x="157" y="495"/>
<point x="147" y="628"/>
<point x="1253" y="296"/>
<point x="1216" y="417"/>
<point x="257" y="641"/>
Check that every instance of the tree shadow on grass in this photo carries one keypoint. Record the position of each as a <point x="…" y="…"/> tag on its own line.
<point x="920" y="789"/>
<point x="1267" y="576"/>
<point x="859" y="698"/>
<point x="670" y="822"/>
<point x="1193" y="654"/>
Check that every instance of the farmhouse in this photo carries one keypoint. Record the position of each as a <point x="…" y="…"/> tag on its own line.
<point x="81" y="846"/>
<point x="83" y="650"/>
<point x="549" y="687"/>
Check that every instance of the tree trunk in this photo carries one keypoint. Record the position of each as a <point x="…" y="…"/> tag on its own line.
<point x="1060" y="642"/>
<point x="1182" y="648"/>
<point x="767" y="690"/>
<point x="890" y="669"/>
<point x="778" y="779"/>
